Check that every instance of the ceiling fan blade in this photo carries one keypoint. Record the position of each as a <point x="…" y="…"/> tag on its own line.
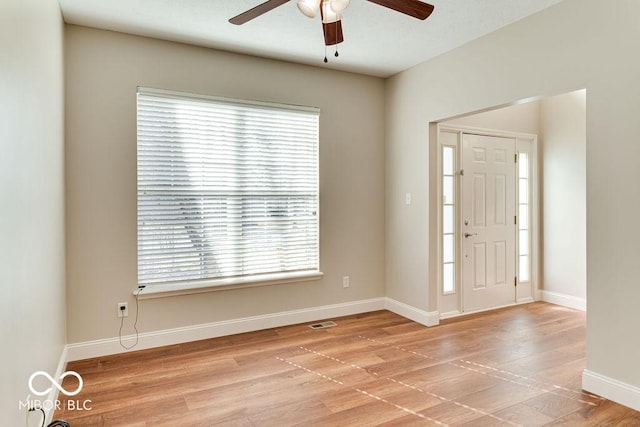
<point x="333" y="33"/>
<point x="260" y="9"/>
<point x="414" y="8"/>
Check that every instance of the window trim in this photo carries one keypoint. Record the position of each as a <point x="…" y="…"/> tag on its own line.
<point x="233" y="101"/>
<point x="194" y="286"/>
<point x="213" y="285"/>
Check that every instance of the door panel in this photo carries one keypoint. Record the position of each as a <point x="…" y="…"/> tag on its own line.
<point x="488" y="229"/>
<point x="501" y="262"/>
<point x="480" y="265"/>
<point x="479" y="199"/>
<point x="501" y="199"/>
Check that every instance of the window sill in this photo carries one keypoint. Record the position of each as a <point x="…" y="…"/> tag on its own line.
<point x="198" y="287"/>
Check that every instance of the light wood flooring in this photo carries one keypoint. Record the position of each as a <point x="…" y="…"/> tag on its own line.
<point x="515" y="366"/>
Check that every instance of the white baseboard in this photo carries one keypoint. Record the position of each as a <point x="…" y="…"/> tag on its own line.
<point x="614" y="390"/>
<point x="450" y="314"/>
<point x="525" y="300"/>
<point x="457" y="313"/>
<point x="423" y="317"/>
<point x="97" y="348"/>
<point x="538" y="295"/>
<point x="53" y="394"/>
<point x="564" y="300"/>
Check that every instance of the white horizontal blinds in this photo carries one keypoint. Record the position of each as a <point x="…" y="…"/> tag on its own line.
<point x="225" y="189"/>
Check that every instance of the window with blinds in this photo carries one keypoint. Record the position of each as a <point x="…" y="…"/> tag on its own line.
<point x="226" y="188"/>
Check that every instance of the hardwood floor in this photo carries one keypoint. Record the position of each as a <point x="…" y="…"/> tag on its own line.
<point x="515" y="366"/>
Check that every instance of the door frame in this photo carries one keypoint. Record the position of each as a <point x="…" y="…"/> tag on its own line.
<point x="450" y="304"/>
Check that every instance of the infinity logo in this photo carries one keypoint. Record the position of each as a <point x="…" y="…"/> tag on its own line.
<point x="55" y="383"/>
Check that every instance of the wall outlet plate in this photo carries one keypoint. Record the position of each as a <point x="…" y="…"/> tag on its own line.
<point x="123" y="309"/>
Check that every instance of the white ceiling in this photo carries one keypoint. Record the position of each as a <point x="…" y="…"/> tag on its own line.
<point x="378" y="41"/>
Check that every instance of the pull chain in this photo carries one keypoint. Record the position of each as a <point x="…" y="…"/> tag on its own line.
<point x="336" y="54"/>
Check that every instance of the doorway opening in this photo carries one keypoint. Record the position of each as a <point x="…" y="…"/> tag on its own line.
<point x="510" y="230"/>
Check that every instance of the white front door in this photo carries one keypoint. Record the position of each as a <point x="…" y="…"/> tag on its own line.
<point x="488" y="222"/>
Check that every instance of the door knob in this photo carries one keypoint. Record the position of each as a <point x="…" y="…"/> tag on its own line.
<point x="467" y="235"/>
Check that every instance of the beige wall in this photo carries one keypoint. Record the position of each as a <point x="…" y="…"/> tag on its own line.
<point x="102" y="71"/>
<point x="32" y="269"/>
<point x="573" y="45"/>
<point x="521" y="118"/>
<point x="563" y="136"/>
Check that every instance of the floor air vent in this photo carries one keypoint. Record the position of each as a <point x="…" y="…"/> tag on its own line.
<point x="323" y="325"/>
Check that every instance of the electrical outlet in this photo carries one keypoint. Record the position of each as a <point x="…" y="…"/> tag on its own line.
<point x="123" y="309"/>
<point x="345" y="281"/>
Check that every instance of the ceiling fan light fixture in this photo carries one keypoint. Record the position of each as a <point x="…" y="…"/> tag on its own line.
<point x="339" y="5"/>
<point x="328" y="14"/>
<point x="309" y="7"/>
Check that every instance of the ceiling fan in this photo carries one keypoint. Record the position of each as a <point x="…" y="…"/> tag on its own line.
<point x="331" y="13"/>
